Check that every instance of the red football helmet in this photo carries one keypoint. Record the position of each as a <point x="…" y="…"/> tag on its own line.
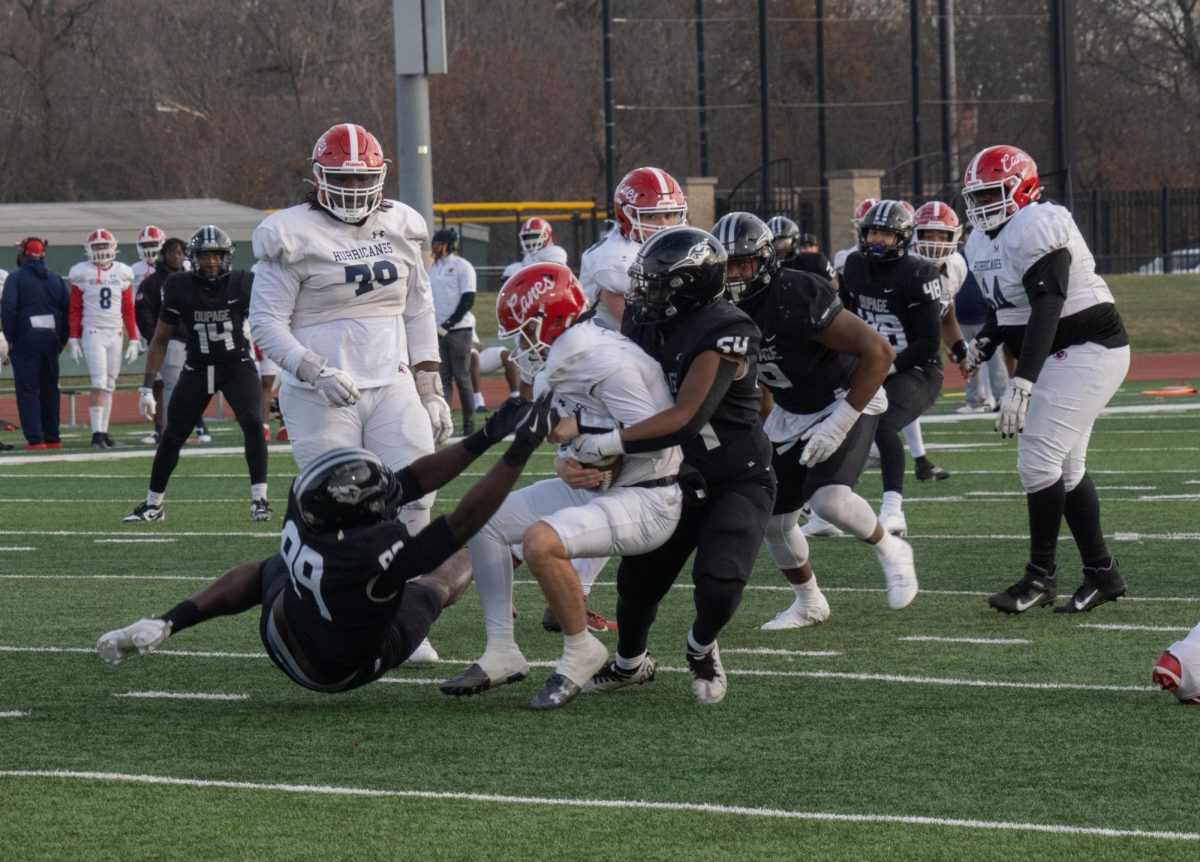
<point x="536" y="306"/>
<point x="348" y="150"/>
<point x="101" y="247"/>
<point x="1005" y="170"/>
<point x="643" y="192"/>
<point x="536" y="234"/>
<point x="150" y="242"/>
<point x="931" y="218"/>
<point x="862" y="210"/>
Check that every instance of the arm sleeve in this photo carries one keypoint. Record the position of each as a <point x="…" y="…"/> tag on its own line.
<point x="271" y="304"/>
<point x="420" y="325"/>
<point x="925" y="337"/>
<point x="465" y="303"/>
<point x="423" y="553"/>
<point x="1046" y="284"/>
<point x="131" y="328"/>
<point x="75" y="328"/>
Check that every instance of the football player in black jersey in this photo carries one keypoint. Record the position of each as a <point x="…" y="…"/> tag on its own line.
<point x="899" y="295"/>
<point x="824" y="368"/>
<point x="350" y="593"/>
<point x="708" y="350"/>
<point x="796" y="250"/>
<point x="211" y="303"/>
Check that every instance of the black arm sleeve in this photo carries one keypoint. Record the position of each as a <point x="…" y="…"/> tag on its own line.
<point x="1046" y="284"/>
<point x="465" y="303"/>
<point x="925" y="337"/>
<point x="726" y="370"/>
<point x="424" y="552"/>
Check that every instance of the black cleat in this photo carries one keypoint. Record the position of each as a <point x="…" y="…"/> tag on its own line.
<point x="260" y="510"/>
<point x="928" y="471"/>
<point x="98" y="441"/>
<point x="1037" y="588"/>
<point x="1099" y="586"/>
<point x="109" y="443"/>
<point x="474" y="680"/>
<point x="557" y="692"/>
<point x="611" y="677"/>
<point x="145" y="512"/>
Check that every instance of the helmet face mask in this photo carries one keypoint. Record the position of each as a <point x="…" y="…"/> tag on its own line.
<point x="210" y="239"/>
<point x="101" y="247"/>
<point x="535" y="307"/>
<point x="999" y="182"/>
<point x="891" y="217"/>
<point x="150" y="242"/>
<point x="787" y="237"/>
<point x="937" y="231"/>
<point x="747" y="241"/>
<point x="350" y="171"/>
<point x="646" y="201"/>
<point x="675" y="272"/>
<point x="535" y="235"/>
<point x="346" y="488"/>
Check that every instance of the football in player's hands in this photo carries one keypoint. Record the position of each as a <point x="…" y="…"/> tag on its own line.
<point x="610" y="470"/>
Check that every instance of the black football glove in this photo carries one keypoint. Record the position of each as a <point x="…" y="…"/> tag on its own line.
<point x="534" y="427"/>
<point x="499" y="425"/>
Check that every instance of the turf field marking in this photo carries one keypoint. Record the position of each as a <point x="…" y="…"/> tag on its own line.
<point x="620" y="804"/>
<point x="14" y="713"/>
<point x="16" y="548"/>
<point x="1130" y="627"/>
<point x="171" y="652"/>
<point x="986" y="641"/>
<point x="145" y="541"/>
<point x="789" y="652"/>
<point x="182" y="695"/>
<point x="274" y="535"/>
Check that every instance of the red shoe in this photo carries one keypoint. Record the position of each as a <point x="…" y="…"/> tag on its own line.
<point x="282" y="435"/>
<point x="597" y="623"/>
<point x="30" y="447"/>
<point x="266" y="432"/>
<point x="54" y="445"/>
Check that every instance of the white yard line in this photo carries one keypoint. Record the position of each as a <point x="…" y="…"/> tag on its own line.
<point x="1130" y="627"/>
<point x="182" y="695"/>
<point x="610" y="804"/>
<point x="14" y="713"/>
<point x="985" y="641"/>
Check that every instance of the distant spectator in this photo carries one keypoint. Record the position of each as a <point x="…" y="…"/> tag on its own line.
<point x="452" y="280"/>
<point x="34" y="310"/>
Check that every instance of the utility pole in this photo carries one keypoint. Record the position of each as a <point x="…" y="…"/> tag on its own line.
<point x="420" y="45"/>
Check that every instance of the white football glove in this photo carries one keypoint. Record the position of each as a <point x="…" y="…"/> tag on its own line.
<point x="336" y="386"/>
<point x="133" y="351"/>
<point x="589" y="448"/>
<point x="827" y="436"/>
<point x="429" y="387"/>
<point x="146" y="403"/>
<point x="76" y="349"/>
<point x="1013" y="407"/>
<point x="978" y="352"/>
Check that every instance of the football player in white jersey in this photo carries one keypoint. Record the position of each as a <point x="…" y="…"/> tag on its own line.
<point x="1178" y="669"/>
<point x="342" y="304"/>
<point x="537" y="243"/>
<point x="1058" y="317"/>
<point x="645" y="201"/>
<point x="632" y="506"/>
<point x="101" y="302"/>
<point x="149" y="244"/>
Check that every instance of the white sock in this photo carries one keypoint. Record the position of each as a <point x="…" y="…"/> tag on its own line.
<point x="886" y="546"/>
<point x="698" y="649"/>
<point x="807" y="590"/>
<point x="479" y="400"/>
<point x="575" y="663"/>
<point x="630" y="663"/>
<point x="96" y="417"/>
<point x="892" y="503"/>
<point x="912" y="435"/>
<point x="514" y="394"/>
<point x="107" y="411"/>
<point x="154" y="499"/>
<point x="258" y="492"/>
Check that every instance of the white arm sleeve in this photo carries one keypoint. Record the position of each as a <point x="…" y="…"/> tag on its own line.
<point x="420" y="325"/>
<point x="271" y="304"/>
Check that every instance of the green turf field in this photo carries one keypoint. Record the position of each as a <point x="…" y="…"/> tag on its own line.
<point x="944" y="731"/>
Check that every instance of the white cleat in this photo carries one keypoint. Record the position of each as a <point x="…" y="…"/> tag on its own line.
<point x="894" y="523"/>
<point x="900" y="573"/>
<point x="424" y="654"/>
<point x="818" y="526"/>
<point x="709" y="683"/>
<point x="141" y="637"/>
<point x="799" y="615"/>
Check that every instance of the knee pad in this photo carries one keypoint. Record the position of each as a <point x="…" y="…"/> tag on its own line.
<point x="491" y="359"/>
<point x="839" y="505"/>
<point x="786" y="542"/>
<point x="1039" y="468"/>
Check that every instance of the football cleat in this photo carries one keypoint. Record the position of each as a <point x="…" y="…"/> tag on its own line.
<point x="894" y="523"/>
<point x="900" y="573"/>
<point x="97" y="441"/>
<point x="151" y="439"/>
<point x="597" y="623"/>
<point x="985" y="407"/>
<point x="476" y="680"/>
<point x="581" y="663"/>
<point x="202" y="435"/>
<point x="424" y="654"/>
<point x="141" y="637"/>
<point x="800" y="615"/>
<point x="109" y="443"/>
<point x="1038" y="587"/>
<point x="1181" y="677"/>
<point x="930" y="472"/>
<point x="282" y="435"/>
<point x="818" y="526"/>
<point x="611" y="677"/>
<point x="145" y="512"/>
<point x="557" y="692"/>
<point x="260" y="510"/>
<point x="1099" y="586"/>
<point x="708" y="675"/>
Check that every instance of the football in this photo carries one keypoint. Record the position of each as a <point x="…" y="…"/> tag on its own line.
<point x="611" y="469"/>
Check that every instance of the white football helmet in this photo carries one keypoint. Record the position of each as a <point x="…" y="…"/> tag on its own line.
<point x="150" y="242"/>
<point x="101" y="247"/>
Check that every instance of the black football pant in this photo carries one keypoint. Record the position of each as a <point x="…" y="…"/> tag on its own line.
<point x="726" y="534"/>
<point x="910" y="393"/>
<point x="242" y="388"/>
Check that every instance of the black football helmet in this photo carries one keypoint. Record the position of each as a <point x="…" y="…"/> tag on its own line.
<point x="448" y="235"/>
<point x="211" y="238"/>
<point x="676" y="271"/>
<point x="346" y="488"/>
<point x="787" y="237"/>
<point x="745" y="236"/>
<point x="891" y="216"/>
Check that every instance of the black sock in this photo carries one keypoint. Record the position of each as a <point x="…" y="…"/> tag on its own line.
<point x="923" y="461"/>
<point x="1045" y="519"/>
<point x="1081" y="507"/>
<point x="182" y="616"/>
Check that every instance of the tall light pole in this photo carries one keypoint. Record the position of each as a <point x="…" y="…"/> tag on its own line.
<point x="420" y="43"/>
